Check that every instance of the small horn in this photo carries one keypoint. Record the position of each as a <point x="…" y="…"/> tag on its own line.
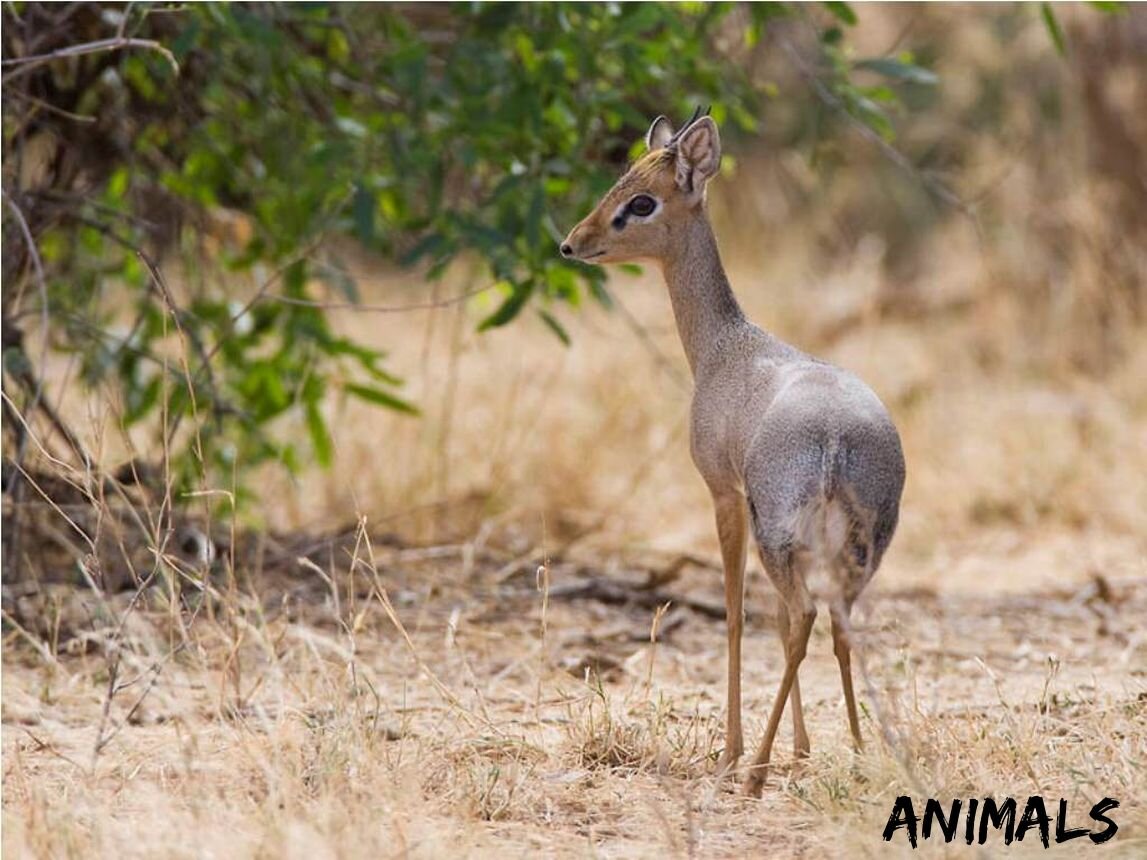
<point x="697" y="114"/>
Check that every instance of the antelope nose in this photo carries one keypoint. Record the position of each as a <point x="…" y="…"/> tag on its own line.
<point x="566" y="249"/>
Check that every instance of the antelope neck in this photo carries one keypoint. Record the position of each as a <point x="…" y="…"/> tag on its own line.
<point x="703" y="302"/>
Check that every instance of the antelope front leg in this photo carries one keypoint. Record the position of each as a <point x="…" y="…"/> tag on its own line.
<point x="731" y="530"/>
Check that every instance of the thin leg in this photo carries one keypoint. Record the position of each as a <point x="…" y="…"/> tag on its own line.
<point x="731" y="530"/>
<point x="804" y="611"/>
<point x="840" y="645"/>
<point x="801" y="745"/>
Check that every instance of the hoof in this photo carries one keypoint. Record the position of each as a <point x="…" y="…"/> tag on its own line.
<point x="727" y="761"/>
<point x="726" y="767"/>
<point x="755" y="781"/>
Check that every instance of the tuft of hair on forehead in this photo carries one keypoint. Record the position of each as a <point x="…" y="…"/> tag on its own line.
<point x="652" y="162"/>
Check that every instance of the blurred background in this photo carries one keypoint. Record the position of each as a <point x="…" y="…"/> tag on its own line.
<point x="289" y="265"/>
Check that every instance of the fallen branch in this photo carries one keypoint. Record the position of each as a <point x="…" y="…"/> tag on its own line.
<point x="615" y="593"/>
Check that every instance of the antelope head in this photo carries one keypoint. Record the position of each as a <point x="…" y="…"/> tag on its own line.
<point x="661" y="192"/>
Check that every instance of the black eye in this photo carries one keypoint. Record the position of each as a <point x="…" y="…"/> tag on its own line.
<point x="642" y="205"/>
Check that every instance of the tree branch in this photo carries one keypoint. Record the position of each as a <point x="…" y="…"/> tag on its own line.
<point x="21" y="65"/>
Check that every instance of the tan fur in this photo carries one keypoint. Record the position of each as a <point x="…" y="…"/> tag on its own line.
<point x="651" y="174"/>
<point x="801" y="452"/>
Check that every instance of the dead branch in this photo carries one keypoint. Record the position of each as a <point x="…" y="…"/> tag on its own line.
<point x="615" y="593"/>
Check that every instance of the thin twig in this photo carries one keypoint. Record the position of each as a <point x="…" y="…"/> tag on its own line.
<point x="894" y="740"/>
<point x="162" y="521"/>
<point x="442" y="466"/>
<point x="41" y="284"/>
<point x="21" y="65"/>
<point x="35" y="386"/>
<point x="64" y="467"/>
<point x="155" y="670"/>
<point x="380" y="309"/>
<point x="56" y="508"/>
<point x="105" y="711"/>
<point x="185" y="335"/>
<point x="51" y="108"/>
<point x="28" y="378"/>
<point x="121" y="31"/>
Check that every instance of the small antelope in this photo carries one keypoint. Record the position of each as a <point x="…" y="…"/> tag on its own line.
<point x="802" y="452"/>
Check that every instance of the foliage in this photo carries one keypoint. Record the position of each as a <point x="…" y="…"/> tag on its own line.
<point x="427" y="133"/>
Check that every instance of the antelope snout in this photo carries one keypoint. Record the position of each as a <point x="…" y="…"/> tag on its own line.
<point x="578" y="245"/>
<point x="570" y="246"/>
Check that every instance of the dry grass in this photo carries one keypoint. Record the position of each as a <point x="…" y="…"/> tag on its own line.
<point x="435" y="698"/>
<point x="452" y="728"/>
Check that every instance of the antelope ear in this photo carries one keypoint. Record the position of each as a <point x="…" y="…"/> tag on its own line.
<point x="698" y="155"/>
<point x="659" y="134"/>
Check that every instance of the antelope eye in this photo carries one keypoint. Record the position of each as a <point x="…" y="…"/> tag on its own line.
<point x="642" y="205"/>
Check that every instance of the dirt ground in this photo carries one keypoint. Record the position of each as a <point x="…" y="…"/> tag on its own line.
<point x="456" y="701"/>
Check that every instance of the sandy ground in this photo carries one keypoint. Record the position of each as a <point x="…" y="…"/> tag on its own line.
<point x="494" y="718"/>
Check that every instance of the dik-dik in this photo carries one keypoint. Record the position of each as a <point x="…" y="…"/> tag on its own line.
<point x="799" y="451"/>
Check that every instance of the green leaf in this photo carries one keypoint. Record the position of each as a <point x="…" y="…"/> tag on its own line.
<point x="832" y="36"/>
<point x="597" y="288"/>
<point x="381" y="398"/>
<point x="336" y="276"/>
<point x="842" y="12"/>
<point x="1110" y="7"/>
<point x="898" y="70"/>
<point x="320" y="436"/>
<point x="140" y="401"/>
<point x="431" y="244"/>
<point x="118" y="184"/>
<point x="881" y="95"/>
<point x="510" y="308"/>
<point x="295" y="279"/>
<point x="555" y="326"/>
<point x="1053" y="28"/>
<point x="365" y="205"/>
<point x="875" y="118"/>
<point x="534" y="215"/>
<point x="760" y="14"/>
